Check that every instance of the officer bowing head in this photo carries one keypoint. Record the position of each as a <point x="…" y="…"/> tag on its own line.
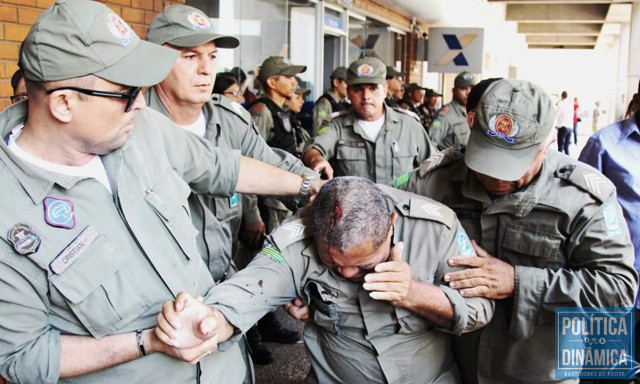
<point x="353" y="226"/>
<point x="510" y="135"/>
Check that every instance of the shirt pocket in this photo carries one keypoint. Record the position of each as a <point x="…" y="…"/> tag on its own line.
<point x="168" y="199"/>
<point x="351" y="159"/>
<point x="100" y="289"/>
<point x="323" y="302"/>
<point x="533" y="247"/>
<point x="404" y="160"/>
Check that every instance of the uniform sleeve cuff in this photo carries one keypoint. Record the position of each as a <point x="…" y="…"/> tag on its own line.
<point x="460" y="310"/>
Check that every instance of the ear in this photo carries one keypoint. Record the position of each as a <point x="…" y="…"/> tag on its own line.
<point x="394" y="217"/>
<point x="61" y="105"/>
<point x="470" y="116"/>
<point x="271" y="82"/>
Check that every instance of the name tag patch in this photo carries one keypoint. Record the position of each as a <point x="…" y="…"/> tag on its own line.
<point x="59" y="213"/>
<point x="74" y="250"/>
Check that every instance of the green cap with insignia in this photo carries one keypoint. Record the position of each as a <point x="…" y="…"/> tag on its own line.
<point x="464" y="79"/>
<point x="368" y="70"/>
<point x="339" y="73"/>
<point x="75" y="38"/>
<point x="512" y="119"/>
<point x="184" y="26"/>
<point x="276" y="65"/>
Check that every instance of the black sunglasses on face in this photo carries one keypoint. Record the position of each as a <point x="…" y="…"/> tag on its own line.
<point x="129" y="96"/>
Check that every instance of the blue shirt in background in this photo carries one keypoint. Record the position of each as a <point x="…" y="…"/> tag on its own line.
<point x="615" y="151"/>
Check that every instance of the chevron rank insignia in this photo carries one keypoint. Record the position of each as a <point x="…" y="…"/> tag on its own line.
<point x="294" y="229"/>
<point x="431" y="210"/>
<point x="271" y="251"/>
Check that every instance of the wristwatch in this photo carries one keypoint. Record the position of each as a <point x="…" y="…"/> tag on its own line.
<point x="303" y="195"/>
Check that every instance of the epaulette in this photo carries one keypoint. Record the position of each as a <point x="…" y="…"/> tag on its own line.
<point x="327" y="120"/>
<point x="291" y="232"/>
<point x="407" y="112"/>
<point x="232" y="106"/>
<point x="443" y="111"/>
<point x="440" y="159"/>
<point x="427" y="209"/>
<point x="587" y="179"/>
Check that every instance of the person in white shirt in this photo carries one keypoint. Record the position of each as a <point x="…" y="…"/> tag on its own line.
<point x="564" y="122"/>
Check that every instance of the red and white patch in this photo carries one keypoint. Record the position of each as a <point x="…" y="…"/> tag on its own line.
<point x="504" y="126"/>
<point x="119" y="28"/>
<point x="198" y="20"/>
<point x="365" y="70"/>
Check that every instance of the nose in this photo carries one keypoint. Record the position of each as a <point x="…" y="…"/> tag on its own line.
<point x="206" y="66"/>
<point x="349" y="272"/>
<point x="139" y="103"/>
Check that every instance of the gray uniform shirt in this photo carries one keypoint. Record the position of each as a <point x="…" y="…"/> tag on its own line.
<point x="450" y="127"/>
<point x="322" y="111"/>
<point x="228" y="126"/>
<point x="354" y="338"/>
<point x="566" y="237"/>
<point x="117" y="258"/>
<point x="401" y="145"/>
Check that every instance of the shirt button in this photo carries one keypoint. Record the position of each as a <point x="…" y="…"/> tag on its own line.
<point x="405" y="207"/>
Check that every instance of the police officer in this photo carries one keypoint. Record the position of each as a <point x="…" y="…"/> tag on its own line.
<point x="95" y="227"/>
<point x="395" y="89"/>
<point x="450" y="127"/>
<point x="369" y="261"/>
<point x="413" y="100"/>
<point x="185" y="97"/>
<point x="547" y="230"/>
<point x="430" y="106"/>
<point x="371" y="140"/>
<point x="332" y="101"/>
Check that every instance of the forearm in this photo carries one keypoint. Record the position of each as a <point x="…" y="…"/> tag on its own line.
<point x="84" y="354"/>
<point x="429" y="302"/>
<point x="263" y="179"/>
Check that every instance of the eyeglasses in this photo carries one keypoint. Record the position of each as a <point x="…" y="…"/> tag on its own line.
<point x="129" y="96"/>
<point x="18" y="98"/>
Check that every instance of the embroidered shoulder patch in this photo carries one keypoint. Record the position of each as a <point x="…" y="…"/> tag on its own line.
<point x="402" y="180"/>
<point x="271" y="251"/>
<point x="464" y="244"/>
<point x="611" y="220"/>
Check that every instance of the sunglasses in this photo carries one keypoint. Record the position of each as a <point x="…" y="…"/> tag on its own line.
<point x="129" y="96"/>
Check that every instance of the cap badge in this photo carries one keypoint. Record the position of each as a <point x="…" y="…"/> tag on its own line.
<point x="199" y="21"/>
<point x="503" y="126"/>
<point x="59" y="213"/>
<point x="24" y="239"/>
<point x="119" y="28"/>
<point x="365" y="70"/>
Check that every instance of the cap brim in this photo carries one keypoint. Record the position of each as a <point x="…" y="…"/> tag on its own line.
<point x="147" y="65"/>
<point x="222" y="41"/>
<point x="293" y="70"/>
<point x="366" y="80"/>
<point x="500" y="163"/>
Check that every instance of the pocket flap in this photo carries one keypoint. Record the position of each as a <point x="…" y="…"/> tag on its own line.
<point x="532" y="242"/>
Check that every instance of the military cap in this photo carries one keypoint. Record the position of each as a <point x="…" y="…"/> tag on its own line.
<point x="512" y="118"/>
<point x="477" y="92"/>
<point x="276" y="65"/>
<point x="302" y="91"/>
<point x="184" y="26"/>
<point x="464" y="79"/>
<point x="413" y="87"/>
<point x="368" y="70"/>
<point x="430" y="92"/>
<point x="339" y="73"/>
<point x="75" y="38"/>
<point x="393" y="72"/>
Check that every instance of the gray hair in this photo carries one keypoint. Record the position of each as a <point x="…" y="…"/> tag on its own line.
<point x="349" y="212"/>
